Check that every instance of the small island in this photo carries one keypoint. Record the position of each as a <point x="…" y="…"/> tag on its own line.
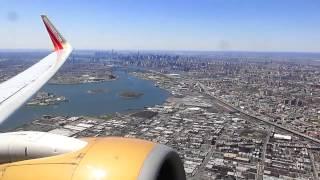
<point x="130" y="94"/>
<point x="46" y="99"/>
<point x="97" y="91"/>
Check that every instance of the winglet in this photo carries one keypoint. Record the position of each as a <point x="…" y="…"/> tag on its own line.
<point x="57" y="39"/>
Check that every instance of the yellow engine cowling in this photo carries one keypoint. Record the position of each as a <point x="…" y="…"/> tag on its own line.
<point x="102" y="158"/>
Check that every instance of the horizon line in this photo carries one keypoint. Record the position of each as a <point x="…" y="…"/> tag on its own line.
<point x="162" y="50"/>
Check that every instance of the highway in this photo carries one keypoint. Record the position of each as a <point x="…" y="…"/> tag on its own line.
<point x="260" y="169"/>
<point x="314" y="169"/>
<point x="229" y="106"/>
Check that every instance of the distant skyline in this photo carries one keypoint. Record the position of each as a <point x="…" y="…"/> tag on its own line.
<point x="201" y="25"/>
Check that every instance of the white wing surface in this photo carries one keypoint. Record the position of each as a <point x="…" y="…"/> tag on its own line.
<point x="17" y="90"/>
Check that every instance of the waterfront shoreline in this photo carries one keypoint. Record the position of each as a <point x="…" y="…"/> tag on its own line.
<point x="109" y="102"/>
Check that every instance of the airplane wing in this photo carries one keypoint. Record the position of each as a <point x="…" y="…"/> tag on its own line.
<point x="58" y="157"/>
<point x="17" y="90"/>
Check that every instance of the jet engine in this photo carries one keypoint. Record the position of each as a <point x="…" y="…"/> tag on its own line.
<point x="66" y="158"/>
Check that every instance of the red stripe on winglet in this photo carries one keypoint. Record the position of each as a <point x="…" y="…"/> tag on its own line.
<point x="56" y="43"/>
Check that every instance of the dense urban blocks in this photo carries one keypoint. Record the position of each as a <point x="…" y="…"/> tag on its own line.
<point x="208" y="117"/>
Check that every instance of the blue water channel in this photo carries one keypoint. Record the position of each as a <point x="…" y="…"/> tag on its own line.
<point x="83" y="103"/>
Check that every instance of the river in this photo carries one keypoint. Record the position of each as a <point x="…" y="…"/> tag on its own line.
<point x="83" y="103"/>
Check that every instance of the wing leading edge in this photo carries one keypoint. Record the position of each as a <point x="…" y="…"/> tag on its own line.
<point x="17" y="90"/>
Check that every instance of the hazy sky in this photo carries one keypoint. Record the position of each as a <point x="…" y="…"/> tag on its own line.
<point x="252" y="25"/>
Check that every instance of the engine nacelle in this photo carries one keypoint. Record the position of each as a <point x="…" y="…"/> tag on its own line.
<point x="23" y="145"/>
<point x="102" y="158"/>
